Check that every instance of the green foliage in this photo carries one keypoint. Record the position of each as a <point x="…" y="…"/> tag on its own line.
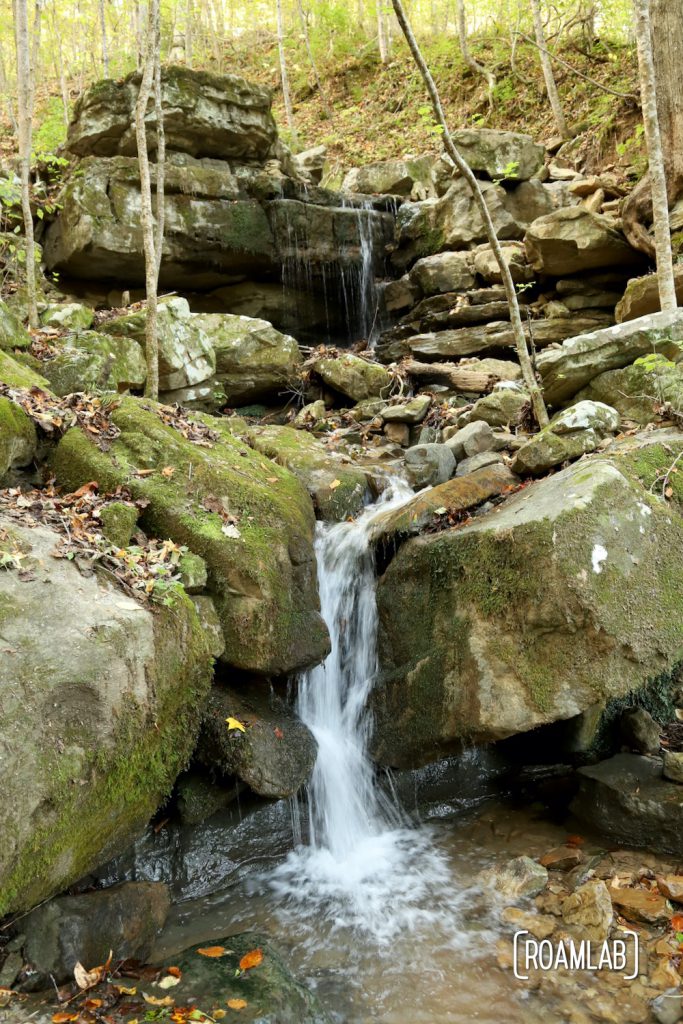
<point x="633" y="149"/>
<point x="430" y="126"/>
<point x="49" y="135"/>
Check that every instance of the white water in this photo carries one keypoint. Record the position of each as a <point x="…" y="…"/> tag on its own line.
<point x="364" y="867"/>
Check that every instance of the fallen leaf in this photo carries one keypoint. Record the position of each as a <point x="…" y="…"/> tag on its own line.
<point x="254" y="958"/>
<point x="335" y="484"/>
<point x="168" y="982"/>
<point x="575" y="840"/>
<point x="440" y="511"/>
<point x="669" y="492"/>
<point x="62" y="1018"/>
<point x="126" y="991"/>
<point x="168" y="471"/>
<point x="155" y="1001"/>
<point x="219" y="1014"/>
<point x="86" y="979"/>
<point x="278" y="732"/>
<point x="175" y="971"/>
<point x="93" y="1004"/>
<point x="215" y="951"/>
<point x="232" y="723"/>
<point x="677" y="922"/>
<point x="271" y="479"/>
<point x="237" y="1004"/>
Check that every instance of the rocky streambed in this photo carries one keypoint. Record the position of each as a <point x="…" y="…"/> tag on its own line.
<point x="247" y="632"/>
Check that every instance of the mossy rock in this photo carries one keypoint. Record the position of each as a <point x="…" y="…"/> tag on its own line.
<point x="101" y="708"/>
<point x="12" y="334"/>
<point x="91" y="361"/>
<point x="566" y="595"/>
<point x="119" y="520"/>
<point x="70" y="316"/>
<point x="639" y="391"/>
<point x="17" y="374"/>
<point x="353" y="377"/>
<point x="338" y="488"/>
<point x="252" y="523"/>
<point x="18" y="439"/>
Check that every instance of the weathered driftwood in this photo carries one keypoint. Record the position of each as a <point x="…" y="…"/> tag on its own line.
<point x="460" y="378"/>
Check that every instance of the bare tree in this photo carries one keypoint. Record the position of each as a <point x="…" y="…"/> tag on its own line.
<point x="657" y="174"/>
<point x="528" y="375"/>
<point x="161" y="158"/>
<point x="189" y="15"/>
<point x="103" y="33"/>
<point x="382" y="38"/>
<point x="286" y="95"/>
<point x="25" y="90"/>
<point x="472" y="64"/>
<point x="150" y="62"/>
<point x="548" y="74"/>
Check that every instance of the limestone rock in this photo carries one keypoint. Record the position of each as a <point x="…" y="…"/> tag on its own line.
<point x="310" y="163"/>
<point x="444" y="272"/>
<point x="530" y="614"/>
<point x="204" y="115"/>
<point x="406" y="177"/>
<point x="428" y="464"/>
<point x="92" y="361"/>
<point x="83" y="929"/>
<point x="505" y="406"/>
<point x="570" y="434"/>
<point x="336" y="486"/>
<point x="471" y="439"/>
<point x="673" y="765"/>
<point x="354" y="377"/>
<point x="71" y="316"/>
<point x="253" y="525"/>
<point x="518" y="878"/>
<point x="486" y="264"/>
<point x="643" y="906"/>
<point x="640" y="732"/>
<point x="626" y="799"/>
<point x="477" y="462"/>
<point x="113" y="719"/>
<point x="587" y="912"/>
<point x="573" y="240"/>
<point x="597" y="416"/>
<point x="579" y="360"/>
<point x="274" y="755"/>
<point x="413" y="411"/>
<point x="12" y="334"/>
<point x="642" y="296"/>
<point x="638" y="391"/>
<point x="18" y="439"/>
<point x="499" y="154"/>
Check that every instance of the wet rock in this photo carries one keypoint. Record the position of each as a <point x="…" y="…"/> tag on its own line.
<point x="91" y="361"/>
<point x="270" y="993"/>
<point x="336" y="486"/>
<point x="210" y="623"/>
<point x="274" y="754"/>
<point x="199" y="797"/>
<point x="443" y="272"/>
<point x="399" y="433"/>
<point x="251" y="522"/>
<point x="539" y="925"/>
<point x="429" y="464"/>
<point x="12" y="334"/>
<point x="640" y="732"/>
<point x="413" y="411"/>
<point x="354" y="377"/>
<point x="112" y="723"/>
<point x="471" y="440"/>
<point x="673" y="766"/>
<point x="83" y="929"/>
<point x="454" y="495"/>
<point x="204" y="115"/>
<point x="500" y="155"/>
<point x="486" y="264"/>
<point x="524" y="611"/>
<point x="667" y="1008"/>
<point x="575" y="363"/>
<point x="561" y="858"/>
<point x="518" y="878"/>
<point x="504" y="407"/>
<point x="70" y="316"/>
<point x="671" y="886"/>
<point x="642" y="296"/>
<point x="587" y="912"/>
<point x="477" y="462"/>
<point x="574" y="240"/>
<point x="627" y="799"/>
<point x="644" y="906"/>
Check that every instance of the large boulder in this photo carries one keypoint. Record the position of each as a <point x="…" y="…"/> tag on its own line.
<point x="205" y="115"/>
<point x="573" y="432"/>
<point x="12" y="334"/>
<point x="252" y="522"/>
<point x="563" y="596"/>
<point x="353" y="377"/>
<point x="641" y="391"/>
<point x="408" y="177"/>
<point x="273" y="752"/>
<point x="337" y="487"/>
<point x="101" y="709"/>
<point x="92" y="361"/>
<point x="18" y="439"/>
<point x="574" y="364"/>
<point x="444" y="272"/>
<point x="572" y="240"/>
<point x="642" y="296"/>
<point x="500" y="155"/>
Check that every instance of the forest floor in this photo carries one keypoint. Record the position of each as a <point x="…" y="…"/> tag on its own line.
<point x="368" y="111"/>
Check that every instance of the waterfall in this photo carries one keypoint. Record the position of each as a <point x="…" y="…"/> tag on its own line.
<point x="364" y="867"/>
<point x="361" y="296"/>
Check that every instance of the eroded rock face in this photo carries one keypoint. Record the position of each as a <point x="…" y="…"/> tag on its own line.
<point x="573" y="240"/>
<point x="500" y="155"/>
<point x="642" y="296"/>
<point x="560" y="597"/>
<point x="252" y="523"/>
<point x="112" y="693"/>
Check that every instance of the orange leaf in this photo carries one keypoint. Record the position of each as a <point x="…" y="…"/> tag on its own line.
<point x="278" y="732"/>
<point x="85" y="489"/>
<point x="62" y="1018"/>
<point x="575" y="841"/>
<point x="155" y="1001"/>
<point x="237" y="1004"/>
<point x="254" y="958"/>
<point x="175" y="971"/>
<point x="677" y="922"/>
<point x="168" y="471"/>
<point x="213" y="951"/>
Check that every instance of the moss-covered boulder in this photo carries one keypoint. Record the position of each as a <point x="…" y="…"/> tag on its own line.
<point x="91" y="361"/>
<point x="642" y="296"/>
<point x="12" y="334"/>
<point x="70" y="316"/>
<point x="353" y="377"/>
<point x="18" y="440"/>
<point x="566" y="595"/>
<point x="251" y="522"/>
<point x="640" y="392"/>
<point x="273" y="752"/>
<point x="102" y="701"/>
<point x="18" y="374"/>
<point x="338" y="487"/>
<point x="571" y="433"/>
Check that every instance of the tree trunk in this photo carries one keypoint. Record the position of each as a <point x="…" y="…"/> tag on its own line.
<point x="7" y="93"/>
<point x="382" y="33"/>
<point x="657" y="174"/>
<point x="283" y="71"/>
<point x="146" y="215"/>
<point x="103" y="32"/>
<point x="528" y="375"/>
<point x="25" y="87"/>
<point x="189" y="56"/>
<point x="472" y="64"/>
<point x="161" y="160"/>
<point x="548" y="74"/>
<point x="59" y="64"/>
<point x="666" y="24"/>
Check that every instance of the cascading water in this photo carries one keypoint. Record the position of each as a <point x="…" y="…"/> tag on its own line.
<point x="364" y="866"/>
<point x="360" y="292"/>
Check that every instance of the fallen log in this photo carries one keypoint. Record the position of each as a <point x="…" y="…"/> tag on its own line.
<point x="460" y="378"/>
